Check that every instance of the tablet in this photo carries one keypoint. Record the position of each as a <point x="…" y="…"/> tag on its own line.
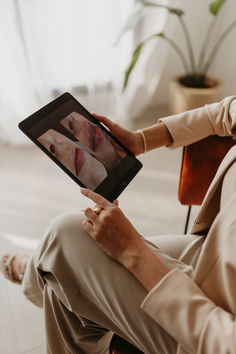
<point x="81" y="146"/>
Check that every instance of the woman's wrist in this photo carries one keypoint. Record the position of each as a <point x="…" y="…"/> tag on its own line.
<point x="138" y="143"/>
<point x="152" y="137"/>
<point x="145" y="266"/>
<point x="131" y="255"/>
<point x="144" y="141"/>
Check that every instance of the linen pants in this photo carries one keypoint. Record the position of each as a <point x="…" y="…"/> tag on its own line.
<point x="86" y="295"/>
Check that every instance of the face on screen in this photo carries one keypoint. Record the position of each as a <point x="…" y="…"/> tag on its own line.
<point x="89" y="170"/>
<point x="95" y="139"/>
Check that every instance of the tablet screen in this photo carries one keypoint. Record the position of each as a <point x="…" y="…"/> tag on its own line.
<point x="80" y="145"/>
<point x="90" y="155"/>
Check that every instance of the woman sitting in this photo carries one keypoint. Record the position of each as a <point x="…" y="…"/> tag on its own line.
<point x="94" y="274"/>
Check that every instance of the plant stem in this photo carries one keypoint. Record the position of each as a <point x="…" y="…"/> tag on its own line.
<point x="205" y="45"/>
<point x="217" y="46"/>
<point x="179" y="13"/>
<point x="179" y="52"/>
<point x="148" y="3"/>
<point x="189" y="45"/>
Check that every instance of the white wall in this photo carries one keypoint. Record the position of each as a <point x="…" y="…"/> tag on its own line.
<point x="197" y="18"/>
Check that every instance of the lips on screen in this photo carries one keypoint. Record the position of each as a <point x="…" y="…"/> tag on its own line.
<point x="91" y="157"/>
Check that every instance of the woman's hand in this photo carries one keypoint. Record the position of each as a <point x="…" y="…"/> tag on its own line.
<point x="119" y="239"/>
<point x="112" y="230"/>
<point x="131" y="140"/>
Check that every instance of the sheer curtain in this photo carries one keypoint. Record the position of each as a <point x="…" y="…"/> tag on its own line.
<point x="17" y="94"/>
<point x="51" y="46"/>
<point x="70" y="43"/>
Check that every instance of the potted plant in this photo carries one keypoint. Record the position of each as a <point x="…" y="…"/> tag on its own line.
<point x="194" y="87"/>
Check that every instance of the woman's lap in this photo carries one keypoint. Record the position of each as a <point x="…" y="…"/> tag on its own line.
<point x="99" y="291"/>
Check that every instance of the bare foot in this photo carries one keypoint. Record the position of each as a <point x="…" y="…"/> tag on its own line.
<point x="14" y="271"/>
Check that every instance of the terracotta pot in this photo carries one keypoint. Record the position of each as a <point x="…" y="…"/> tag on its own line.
<point x="184" y="98"/>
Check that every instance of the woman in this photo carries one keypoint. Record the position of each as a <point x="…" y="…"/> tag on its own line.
<point x="175" y="296"/>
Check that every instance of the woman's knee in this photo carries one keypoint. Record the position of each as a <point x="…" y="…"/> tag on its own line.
<point x="68" y="252"/>
<point x="66" y="228"/>
<point x="59" y="243"/>
<point x="65" y="222"/>
<point x="65" y="235"/>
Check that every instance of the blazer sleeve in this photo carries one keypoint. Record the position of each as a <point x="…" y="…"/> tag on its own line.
<point x="191" y="126"/>
<point x="179" y="306"/>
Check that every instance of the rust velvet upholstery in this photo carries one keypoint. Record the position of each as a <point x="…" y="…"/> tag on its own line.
<point x="200" y="162"/>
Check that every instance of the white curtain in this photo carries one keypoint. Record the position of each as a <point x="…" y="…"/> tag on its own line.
<point x="70" y="43"/>
<point x="51" y="46"/>
<point x="18" y="97"/>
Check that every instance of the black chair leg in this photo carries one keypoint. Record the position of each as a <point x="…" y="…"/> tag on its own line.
<point x="187" y="219"/>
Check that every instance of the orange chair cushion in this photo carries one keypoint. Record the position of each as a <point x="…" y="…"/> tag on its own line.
<point x="200" y="162"/>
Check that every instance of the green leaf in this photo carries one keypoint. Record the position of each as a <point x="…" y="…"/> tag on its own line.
<point x="135" y="56"/>
<point x="177" y="12"/>
<point x="133" y="62"/>
<point x="160" y="34"/>
<point x="216" y="6"/>
<point x="171" y="10"/>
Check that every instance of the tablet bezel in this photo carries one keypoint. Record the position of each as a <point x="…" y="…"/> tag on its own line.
<point x="112" y="186"/>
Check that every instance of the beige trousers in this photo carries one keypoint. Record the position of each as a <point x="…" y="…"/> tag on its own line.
<point x="86" y="296"/>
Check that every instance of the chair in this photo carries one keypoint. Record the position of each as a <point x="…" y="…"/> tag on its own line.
<point x="200" y="162"/>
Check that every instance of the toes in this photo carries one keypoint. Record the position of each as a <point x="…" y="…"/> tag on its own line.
<point x="4" y="261"/>
<point x="16" y="268"/>
<point x="5" y="258"/>
<point x="18" y="265"/>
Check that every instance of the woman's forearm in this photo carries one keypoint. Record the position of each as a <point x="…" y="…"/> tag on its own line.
<point x="145" y="266"/>
<point x="156" y="136"/>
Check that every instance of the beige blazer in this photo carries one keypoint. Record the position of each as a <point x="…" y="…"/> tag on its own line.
<point x="200" y="312"/>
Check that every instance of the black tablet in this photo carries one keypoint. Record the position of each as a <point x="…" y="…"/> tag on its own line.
<point x="81" y="146"/>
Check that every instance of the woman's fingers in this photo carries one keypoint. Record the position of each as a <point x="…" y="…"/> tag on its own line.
<point x="116" y="202"/>
<point x="129" y="139"/>
<point x="87" y="225"/>
<point x="97" y="198"/>
<point x="90" y="214"/>
<point x="104" y="120"/>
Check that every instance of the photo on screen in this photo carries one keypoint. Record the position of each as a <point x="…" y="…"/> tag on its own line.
<point x="95" y="140"/>
<point x="85" y="166"/>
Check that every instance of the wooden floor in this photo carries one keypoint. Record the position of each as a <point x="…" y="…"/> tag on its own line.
<point x="33" y="190"/>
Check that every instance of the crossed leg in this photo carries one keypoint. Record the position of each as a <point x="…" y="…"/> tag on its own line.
<point x="86" y="296"/>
